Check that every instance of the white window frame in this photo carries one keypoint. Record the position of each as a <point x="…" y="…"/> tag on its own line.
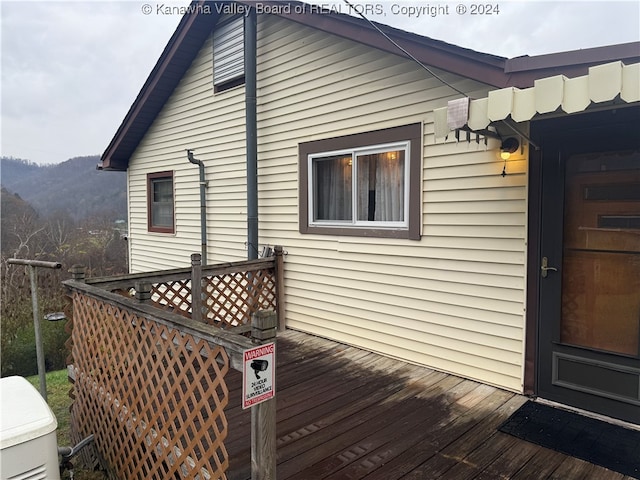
<point x="355" y="152"/>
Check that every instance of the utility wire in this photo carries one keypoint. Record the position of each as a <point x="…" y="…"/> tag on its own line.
<point x="408" y="54"/>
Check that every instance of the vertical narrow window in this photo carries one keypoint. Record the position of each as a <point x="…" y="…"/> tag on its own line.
<point x="160" y="211"/>
<point x="228" y="54"/>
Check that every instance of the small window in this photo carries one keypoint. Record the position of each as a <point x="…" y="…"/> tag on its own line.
<point x="160" y="211"/>
<point x="228" y="55"/>
<point x="368" y="189"/>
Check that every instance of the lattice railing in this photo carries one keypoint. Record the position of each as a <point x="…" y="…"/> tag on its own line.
<point x="149" y="374"/>
<point x="172" y="296"/>
<point x="230" y="293"/>
<point x="232" y="298"/>
<point x="152" y="394"/>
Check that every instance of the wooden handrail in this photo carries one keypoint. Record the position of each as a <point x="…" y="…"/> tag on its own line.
<point x="128" y="281"/>
<point x="234" y="343"/>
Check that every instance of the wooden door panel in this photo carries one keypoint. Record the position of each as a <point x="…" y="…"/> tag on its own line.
<point x="600" y="306"/>
<point x="589" y="263"/>
<point x="601" y="301"/>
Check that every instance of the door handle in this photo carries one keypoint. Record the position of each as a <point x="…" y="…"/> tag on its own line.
<point x="546" y="268"/>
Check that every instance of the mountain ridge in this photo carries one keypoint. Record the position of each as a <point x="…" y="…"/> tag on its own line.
<point x="74" y="186"/>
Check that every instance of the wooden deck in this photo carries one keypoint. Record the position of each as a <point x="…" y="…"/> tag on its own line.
<point x="344" y="413"/>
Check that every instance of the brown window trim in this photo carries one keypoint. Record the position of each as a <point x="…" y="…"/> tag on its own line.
<point x="150" y="226"/>
<point x="229" y="84"/>
<point x="412" y="133"/>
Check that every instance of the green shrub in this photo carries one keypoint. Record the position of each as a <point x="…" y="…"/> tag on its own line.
<point x="19" y="353"/>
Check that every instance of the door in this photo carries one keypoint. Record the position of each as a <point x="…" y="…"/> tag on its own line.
<point x="589" y="264"/>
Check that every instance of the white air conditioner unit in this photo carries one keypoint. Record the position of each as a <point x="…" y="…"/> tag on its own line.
<point x="28" y="444"/>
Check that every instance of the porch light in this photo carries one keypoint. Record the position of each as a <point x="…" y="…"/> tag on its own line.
<point x="509" y="146"/>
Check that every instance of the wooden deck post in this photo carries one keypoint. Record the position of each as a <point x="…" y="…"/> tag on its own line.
<point x="78" y="272"/>
<point x="196" y="287"/>
<point x="143" y="291"/>
<point x="263" y="415"/>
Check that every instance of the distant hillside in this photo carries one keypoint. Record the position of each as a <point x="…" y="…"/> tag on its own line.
<point x="74" y="186"/>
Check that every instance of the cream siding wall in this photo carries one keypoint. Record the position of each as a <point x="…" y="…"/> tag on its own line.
<point x="214" y="127"/>
<point x="453" y="300"/>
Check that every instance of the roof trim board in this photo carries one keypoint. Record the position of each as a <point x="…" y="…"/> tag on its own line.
<point x="174" y="61"/>
<point x="199" y="22"/>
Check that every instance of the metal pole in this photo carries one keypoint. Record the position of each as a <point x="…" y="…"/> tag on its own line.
<point x="203" y="204"/>
<point x="250" y="48"/>
<point x="33" y="276"/>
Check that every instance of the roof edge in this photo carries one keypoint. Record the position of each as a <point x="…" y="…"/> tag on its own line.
<point x="587" y="56"/>
<point x="177" y="38"/>
<point x="201" y="16"/>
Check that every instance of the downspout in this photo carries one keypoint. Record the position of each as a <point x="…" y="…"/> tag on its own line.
<point x="203" y="204"/>
<point x="250" y="51"/>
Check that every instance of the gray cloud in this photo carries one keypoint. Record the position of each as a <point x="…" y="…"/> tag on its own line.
<point x="70" y="70"/>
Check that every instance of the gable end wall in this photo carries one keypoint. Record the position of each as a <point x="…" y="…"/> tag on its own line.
<point x="453" y="300"/>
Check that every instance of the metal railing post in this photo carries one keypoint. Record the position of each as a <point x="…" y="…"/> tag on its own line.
<point x="33" y="278"/>
<point x="280" y="305"/>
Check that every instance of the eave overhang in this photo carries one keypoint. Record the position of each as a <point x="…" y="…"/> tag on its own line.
<point x="199" y="22"/>
<point x="195" y="27"/>
<point x="174" y="61"/>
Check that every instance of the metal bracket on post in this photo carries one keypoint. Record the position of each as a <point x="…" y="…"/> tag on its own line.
<point x="263" y="415"/>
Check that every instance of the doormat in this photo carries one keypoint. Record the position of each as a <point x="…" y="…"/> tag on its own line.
<point x="595" y="441"/>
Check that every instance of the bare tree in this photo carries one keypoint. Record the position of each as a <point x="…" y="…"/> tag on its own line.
<point x="27" y="229"/>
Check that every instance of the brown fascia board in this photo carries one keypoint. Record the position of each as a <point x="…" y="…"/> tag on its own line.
<point x="485" y="68"/>
<point x="489" y="69"/>
<point x="523" y="71"/>
<point x="175" y="59"/>
<point x="193" y="30"/>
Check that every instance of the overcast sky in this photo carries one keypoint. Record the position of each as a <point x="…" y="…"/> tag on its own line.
<point x="71" y="69"/>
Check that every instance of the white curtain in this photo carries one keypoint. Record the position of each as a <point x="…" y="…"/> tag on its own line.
<point x="332" y="188"/>
<point x="162" y="203"/>
<point x="381" y="187"/>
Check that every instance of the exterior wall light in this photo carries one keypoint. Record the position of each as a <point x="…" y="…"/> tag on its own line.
<point x="509" y="146"/>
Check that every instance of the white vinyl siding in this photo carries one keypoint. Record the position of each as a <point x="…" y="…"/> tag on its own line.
<point x="213" y="126"/>
<point x="453" y="300"/>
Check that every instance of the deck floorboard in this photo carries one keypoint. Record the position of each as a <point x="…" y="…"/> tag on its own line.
<point x="344" y="413"/>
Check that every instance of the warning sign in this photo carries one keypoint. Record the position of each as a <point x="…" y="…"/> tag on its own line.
<point x="258" y="374"/>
